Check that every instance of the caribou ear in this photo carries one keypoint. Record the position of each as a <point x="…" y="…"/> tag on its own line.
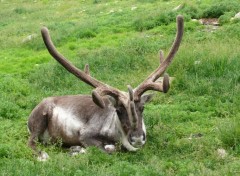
<point x="146" y="98"/>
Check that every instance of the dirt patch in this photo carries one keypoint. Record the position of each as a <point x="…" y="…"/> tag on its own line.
<point x="209" y="21"/>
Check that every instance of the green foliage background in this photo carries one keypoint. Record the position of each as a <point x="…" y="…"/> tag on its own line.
<point x="120" y="41"/>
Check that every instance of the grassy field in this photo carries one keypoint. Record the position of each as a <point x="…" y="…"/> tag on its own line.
<point x="186" y="128"/>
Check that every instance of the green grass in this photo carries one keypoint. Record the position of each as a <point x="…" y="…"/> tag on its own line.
<point x="186" y="126"/>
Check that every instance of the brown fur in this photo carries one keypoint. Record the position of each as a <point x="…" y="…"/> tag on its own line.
<point x="87" y="112"/>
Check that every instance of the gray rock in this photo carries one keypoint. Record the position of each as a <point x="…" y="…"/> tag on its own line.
<point x="29" y="38"/>
<point x="237" y="15"/>
<point x="178" y="7"/>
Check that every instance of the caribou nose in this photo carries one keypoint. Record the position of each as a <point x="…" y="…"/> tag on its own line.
<point x="137" y="141"/>
<point x="137" y="144"/>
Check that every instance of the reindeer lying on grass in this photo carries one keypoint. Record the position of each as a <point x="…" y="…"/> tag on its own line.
<point x="107" y="117"/>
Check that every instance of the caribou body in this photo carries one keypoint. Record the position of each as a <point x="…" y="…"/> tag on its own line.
<point x="103" y="119"/>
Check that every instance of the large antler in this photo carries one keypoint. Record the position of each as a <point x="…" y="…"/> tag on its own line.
<point x="101" y="88"/>
<point x="149" y="83"/>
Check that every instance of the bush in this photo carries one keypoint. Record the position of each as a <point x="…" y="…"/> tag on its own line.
<point x="13" y="99"/>
<point x="96" y="1"/>
<point x="165" y="18"/>
<point x="142" y="24"/>
<point x="216" y="10"/>
<point x="190" y="11"/>
<point x="229" y="134"/>
<point x="150" y="22"/>
<point x="226" y="17"/>
<point x="4" y="151"/>
<point x="87" y="33"/>
<point x="20" y="10"/>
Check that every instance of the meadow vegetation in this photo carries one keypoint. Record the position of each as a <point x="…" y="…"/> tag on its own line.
<point x="120" y="41"/>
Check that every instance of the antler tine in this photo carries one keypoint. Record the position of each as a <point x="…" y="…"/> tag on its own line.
<point x="130" y="91"/>
<point x="133" y="108"/>
<point x="149" y="83"/>
<point x="65" y="63"/>
<point x="134" y="115"/>
<point x="101" y="88"/>
<point x="161" y="56"/>
<point x="165" y="81"/>
<point x="86" y="69"/>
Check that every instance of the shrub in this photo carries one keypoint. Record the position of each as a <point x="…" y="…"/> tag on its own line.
<point x="232" y="30"/>
<point x="20" y="10"/>
<point x="218" y="9"/>
<point x="9" y="110"/>
<point x="96" y="1"/>
<point x="226" y="17"/>
<point x="190" y="11"/>
<point x="4" y="151"/>
<point x="142" y="24"/>
<point x="87" y="33"/>
<point x="229" y="133"/>
<point x="165" y="18"/>
<point x="149" y="22"/>
<point x="13" y="97"/>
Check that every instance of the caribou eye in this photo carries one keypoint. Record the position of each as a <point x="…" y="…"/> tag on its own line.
<point x="118" y="111"/>
<point x="131" y="138"/>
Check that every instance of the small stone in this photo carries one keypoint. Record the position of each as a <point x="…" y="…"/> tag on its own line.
<point x="75" y="150"/>
<point x="29" y="38"/>
<point x="195" y="20"/>
<point x="110" y="148"/>
<point x="197" y="62"/>
<point x="222" y="153"/>
<point x="196" y="135"/>
<point x="237" y="15"/>
<point x="111" y="11"/>
<point x="133" y="8"/>
<point x="178" y="7"/>
<point x="43" y="156"/>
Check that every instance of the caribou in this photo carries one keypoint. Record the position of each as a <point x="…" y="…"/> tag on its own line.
<point x="107" y="118"/>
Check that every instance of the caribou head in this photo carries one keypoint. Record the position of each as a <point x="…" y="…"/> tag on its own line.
<point x="107" y="116"/>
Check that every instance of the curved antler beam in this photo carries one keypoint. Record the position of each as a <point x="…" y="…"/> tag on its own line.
<point x="65" y="63"/>
<point x="149" y="83"/>
<point x="101" y="88"/>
